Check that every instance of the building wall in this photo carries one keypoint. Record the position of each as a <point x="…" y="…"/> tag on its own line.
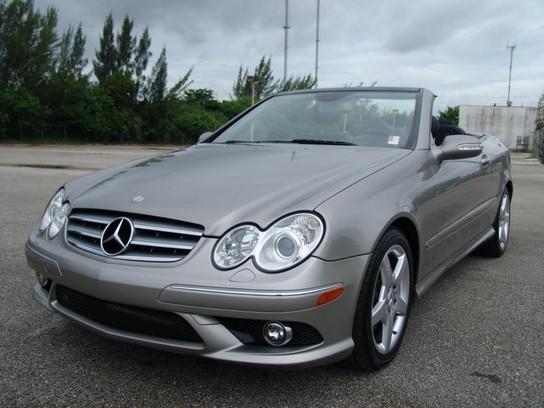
<point x="505" y="122"/>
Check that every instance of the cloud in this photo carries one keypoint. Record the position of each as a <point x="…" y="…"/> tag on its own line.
<point x="457" y="49"/>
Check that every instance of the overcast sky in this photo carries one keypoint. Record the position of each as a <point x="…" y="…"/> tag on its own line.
<point x="455" y="48"/>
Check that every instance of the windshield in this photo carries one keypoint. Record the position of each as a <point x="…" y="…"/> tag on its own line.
<point x="377" y="119"/>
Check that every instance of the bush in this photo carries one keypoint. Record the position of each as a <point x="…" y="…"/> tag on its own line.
<point x="186" y="121"/>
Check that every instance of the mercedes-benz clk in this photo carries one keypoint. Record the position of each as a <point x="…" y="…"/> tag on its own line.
<point x="299" y="233"/>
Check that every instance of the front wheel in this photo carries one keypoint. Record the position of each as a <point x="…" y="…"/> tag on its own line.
<point x="384" y="303"/>
<point x="496" y="245"/>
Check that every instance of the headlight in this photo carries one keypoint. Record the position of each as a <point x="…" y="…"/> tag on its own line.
<point x="236" y="246"/>
<point x="286" y="243"/>
<point x="55" y="215"/>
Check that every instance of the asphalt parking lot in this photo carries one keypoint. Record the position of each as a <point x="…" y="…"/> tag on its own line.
<point x="477" y="339"/>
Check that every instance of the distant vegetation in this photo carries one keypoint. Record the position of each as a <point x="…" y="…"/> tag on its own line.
<point x="538" y="146"/>
<point x="451" y="114"/>
<point x="50" y="92"/>
<point x="540" y="113"/>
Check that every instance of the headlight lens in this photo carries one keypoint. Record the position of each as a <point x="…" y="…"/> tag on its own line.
<point x="236" y="246"/>
<point x="286" y="243"/>
<point x="55" y="215"/>
<point x="289" y="242"/>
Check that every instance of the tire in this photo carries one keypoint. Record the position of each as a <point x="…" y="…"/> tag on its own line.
<point x="372" y="350"/>
<point x="496" y="246"/>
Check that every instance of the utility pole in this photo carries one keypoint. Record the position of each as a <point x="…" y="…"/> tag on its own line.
<point x="285" y="28"/>
<point x="253" y="79"/>
<point x="511" y="48"/>
<point x="316" y="43"/>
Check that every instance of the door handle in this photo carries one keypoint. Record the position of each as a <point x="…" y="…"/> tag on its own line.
<point x="485" y="161"/>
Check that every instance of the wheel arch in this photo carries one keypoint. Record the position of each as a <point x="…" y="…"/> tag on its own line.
<point x="408" y="227"/>
<point x="510" y="187"/>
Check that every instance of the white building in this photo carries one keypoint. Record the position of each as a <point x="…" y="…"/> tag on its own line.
<point x="508" y="123"/>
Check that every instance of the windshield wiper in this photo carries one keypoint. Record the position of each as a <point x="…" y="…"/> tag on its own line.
<point x="298" y="141"/>
<point x="322" y="142"/>
<point x="237" y="141"/>
<point x="252" y="141"/>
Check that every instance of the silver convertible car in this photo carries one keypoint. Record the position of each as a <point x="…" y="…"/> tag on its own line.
<point x="299" y="233"/>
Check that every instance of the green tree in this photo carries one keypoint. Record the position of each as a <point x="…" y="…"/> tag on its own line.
<point x="202" y="97"/>
<point x="125" y="117"/>
<point x="125" y="46"/>
<point x="65" y="49"/>
<point x="78" y="62"/>
<point x="185" y="121"/>
<point x="105" y="62"/>
<point x="156" y="90"/>
<point x="156" y="86"/>
<point x="233" y="107"/>
<point x="97" y="109"/>
<point x="43" y="61"/>
<point x="45" y="91"/>
<point x="451" y="114"/>
<point x="70" y="59"/>
<point x="298" y="82"/>
<point x="265" y="84"/>
<point x="157" y="98"/>
<point x="28" y="42"/>
<point x="141" y="59"/>
<point x="540" y="113"/>
<point x="20" y="111"/>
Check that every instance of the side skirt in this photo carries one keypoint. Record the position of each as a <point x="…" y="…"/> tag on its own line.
<point x="423" y="286"/>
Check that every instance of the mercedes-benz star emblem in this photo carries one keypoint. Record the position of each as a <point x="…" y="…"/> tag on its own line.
<point x="117" y="236"/>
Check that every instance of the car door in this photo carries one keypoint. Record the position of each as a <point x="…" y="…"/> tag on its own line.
<point x="461" y="196"/>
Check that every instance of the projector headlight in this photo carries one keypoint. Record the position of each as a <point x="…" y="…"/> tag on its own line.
<point x="285" y="244"/>
<point x="55" y="214"/>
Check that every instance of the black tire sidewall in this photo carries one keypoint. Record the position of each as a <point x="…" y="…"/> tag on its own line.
<point x="365" y="354"/>
<point x="494" y="248"/>
<point x="501" y="250"/>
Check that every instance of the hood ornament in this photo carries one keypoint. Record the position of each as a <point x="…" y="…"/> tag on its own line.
<point x="138" y="199"/>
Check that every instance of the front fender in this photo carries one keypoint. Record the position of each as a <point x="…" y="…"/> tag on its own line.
<point x="359" y="215"/>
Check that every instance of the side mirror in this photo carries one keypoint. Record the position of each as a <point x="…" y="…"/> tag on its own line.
<point x="204" y="136"/>
<point x="457" y="147"/>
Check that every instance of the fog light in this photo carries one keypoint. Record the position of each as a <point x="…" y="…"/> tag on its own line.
<point x="277" y="334"/>
<point x="42" y="279"/>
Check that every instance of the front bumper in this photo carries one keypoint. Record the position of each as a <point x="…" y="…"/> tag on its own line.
<point x="204" y="296"/>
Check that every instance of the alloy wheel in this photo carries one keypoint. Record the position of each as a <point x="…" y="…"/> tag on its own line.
<point x="390" y="299"/>
<point x="504" y="221"/>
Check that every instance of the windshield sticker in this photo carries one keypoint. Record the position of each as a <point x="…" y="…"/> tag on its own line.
<point x="393" y="140"/>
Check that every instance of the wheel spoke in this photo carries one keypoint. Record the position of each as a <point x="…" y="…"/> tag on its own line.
<point x="401" y="270"/>
<point x="401" y="306"/>
<point x="387" y="333"/>
<point x="379" y="313"/>
<point x="386" y="272"/>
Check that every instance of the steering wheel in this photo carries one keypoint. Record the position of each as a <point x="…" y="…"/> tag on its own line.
<point x="375" y="136"/>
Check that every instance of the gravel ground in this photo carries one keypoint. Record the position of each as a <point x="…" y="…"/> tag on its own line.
<point x="477" y="339"/>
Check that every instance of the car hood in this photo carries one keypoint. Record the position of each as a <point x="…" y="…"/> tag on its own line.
<point x="219" y="186"/>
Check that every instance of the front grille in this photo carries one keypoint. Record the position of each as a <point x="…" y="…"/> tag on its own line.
<point x="127" y="318"/>
<point x="251" y="332"/>
<point x="155" y="239"/>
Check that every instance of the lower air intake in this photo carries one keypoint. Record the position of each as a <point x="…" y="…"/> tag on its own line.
<point x="127" y="318"/>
